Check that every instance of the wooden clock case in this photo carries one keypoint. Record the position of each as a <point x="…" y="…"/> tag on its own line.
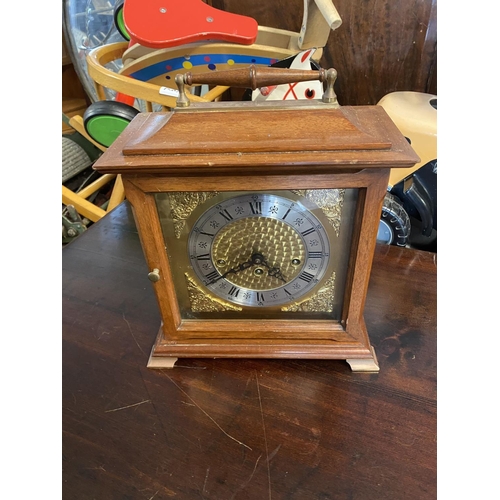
<point x="230" y="146"/>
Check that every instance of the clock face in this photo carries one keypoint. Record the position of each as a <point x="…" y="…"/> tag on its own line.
<point x="259" y="250"/>
<point x="275" y="254"/>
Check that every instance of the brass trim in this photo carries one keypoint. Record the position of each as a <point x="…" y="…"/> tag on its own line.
<point x="202" y="302"/>
<point x="182" y="206"/>
<point x="330" y="201"/>
<point x="321" y="301"/>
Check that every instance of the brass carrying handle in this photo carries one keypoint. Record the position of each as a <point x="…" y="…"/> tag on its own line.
<point x="255" y="77"/>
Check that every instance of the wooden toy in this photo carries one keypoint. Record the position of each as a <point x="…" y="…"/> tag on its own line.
<point x="169" y="23"/>
<point x="147" y="78"/>
<point x="149" y="75"/>
<point x="160" y="67"/>
<point x="296" y="90"/>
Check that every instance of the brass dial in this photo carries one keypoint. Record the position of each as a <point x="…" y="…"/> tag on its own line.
<point x="264" y="235"/>
<point x="259" y="250"/>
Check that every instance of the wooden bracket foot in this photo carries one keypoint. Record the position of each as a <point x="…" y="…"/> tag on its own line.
<point x="161" y="361"/>
<point x="366" y="364"/>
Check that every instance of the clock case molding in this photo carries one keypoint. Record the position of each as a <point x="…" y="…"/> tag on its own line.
<point x="228" y="146"/>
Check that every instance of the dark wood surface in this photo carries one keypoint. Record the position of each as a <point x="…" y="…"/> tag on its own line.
<point x="241" y="429"/>
<point x="382" y="46"/>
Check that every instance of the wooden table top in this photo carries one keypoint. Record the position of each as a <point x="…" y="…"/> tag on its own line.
<point x="241" y="429"/>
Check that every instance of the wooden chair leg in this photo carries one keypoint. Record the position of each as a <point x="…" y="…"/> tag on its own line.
<point x="96" y="185"/>
<point x="117" y="195"/>
<point x="82" y="206"/>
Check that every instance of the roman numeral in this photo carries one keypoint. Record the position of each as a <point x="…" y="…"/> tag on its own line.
<point x="234" y="291"/>
<point x="260" y="296"/>
<point x="287" y="292"/>
<point x="226" y="215"/>
<point x="314" y="255"/>
<point x="203" y="256"/>
<point x="309" y="231"/>
<point x="256" y="207"/>
<point x="207" y="234"/>
<point x="286" y="213"/>
<point x="306" y="277"/>
<point x="212" y="276"/>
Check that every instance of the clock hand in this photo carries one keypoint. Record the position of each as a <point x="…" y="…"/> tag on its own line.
<point x="256" y="259"/>
<point x="233" y="270"/>
<point x="274" y="272"/>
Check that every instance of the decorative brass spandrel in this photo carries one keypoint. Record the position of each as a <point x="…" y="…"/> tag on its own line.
<point x="330" y="201"/>
<point x="202" y="302"/>
<point x="321" y="301"/>
<point x="182" y="206"/>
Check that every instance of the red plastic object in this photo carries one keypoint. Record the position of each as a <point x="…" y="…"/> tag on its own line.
<point x="127" y="99"/>
<point x="169" y="23"/>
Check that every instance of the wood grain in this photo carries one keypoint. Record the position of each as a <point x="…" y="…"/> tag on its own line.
<point x="381" y="46"/>
<point x="249" y="142"/>
<point x="362" y="142"/>
<point x="235" y="428"/>
<point x="254" y="77"/>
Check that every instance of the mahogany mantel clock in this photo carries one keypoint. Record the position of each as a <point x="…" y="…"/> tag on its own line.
<point x="258" y="221"/>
